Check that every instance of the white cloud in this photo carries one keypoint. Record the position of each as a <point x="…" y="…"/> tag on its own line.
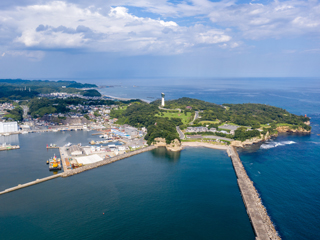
<point x="101" y="26"/>
<point x="61" y="25"/>
<point x="274" y="20"/>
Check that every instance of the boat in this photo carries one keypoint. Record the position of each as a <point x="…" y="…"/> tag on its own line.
<point x="6" y="134"/>
<point x="54" y="163"/>
<point x="47" y="161"/>
<point x="24" y="132"/>
<point x="68" y="144"/>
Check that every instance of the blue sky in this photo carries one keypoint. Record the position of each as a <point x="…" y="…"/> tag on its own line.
<point x="159" y="38"/>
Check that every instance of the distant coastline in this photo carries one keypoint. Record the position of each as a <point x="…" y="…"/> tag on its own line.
<point x="124" y="99"/>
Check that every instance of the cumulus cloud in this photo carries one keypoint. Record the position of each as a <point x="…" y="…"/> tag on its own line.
<point x="274" y="20"/>
<point x="97" y="25"/>
<point x="59" y="25"/>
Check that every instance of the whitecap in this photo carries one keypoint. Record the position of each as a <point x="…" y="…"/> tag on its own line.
<point x="273" y="144"/>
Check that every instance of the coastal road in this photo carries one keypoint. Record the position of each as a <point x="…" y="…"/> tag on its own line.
<point x="25" y="111"/>
<point x="181" y="135"/>
<point x="209" y="136"/>
<point x="196" y="116"/>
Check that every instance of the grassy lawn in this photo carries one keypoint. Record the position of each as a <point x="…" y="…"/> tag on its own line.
<point x="184" y="118"/>
<point x="229" y="123"/>
<point x="283" y="124"/>
<point x="210" y="122"/>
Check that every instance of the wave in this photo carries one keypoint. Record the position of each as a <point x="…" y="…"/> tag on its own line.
<point x="269" y="145"/>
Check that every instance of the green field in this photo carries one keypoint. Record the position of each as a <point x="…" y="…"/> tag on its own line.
<point x="210" y="122"/>
<point x="284" y="124"/>
<point x="184" y="118"/>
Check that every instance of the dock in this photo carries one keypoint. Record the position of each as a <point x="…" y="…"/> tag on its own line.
<point x="260" y="220"/>
<point x="70" y="172"/>
<point x="9" y="147"/>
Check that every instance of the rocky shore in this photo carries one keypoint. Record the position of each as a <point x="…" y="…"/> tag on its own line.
<point x="174" y="146"/>
<point x="262" y="138"/>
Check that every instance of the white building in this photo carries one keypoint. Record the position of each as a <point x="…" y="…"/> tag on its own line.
<point x="162" y="100"/>
<point x="6" y="127"/>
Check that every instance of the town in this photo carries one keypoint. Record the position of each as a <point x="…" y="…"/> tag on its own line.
<point x="114" y="139"/>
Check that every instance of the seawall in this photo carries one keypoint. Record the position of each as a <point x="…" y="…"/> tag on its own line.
<point x="260" y="220"/>
<point x="106" y="161"/>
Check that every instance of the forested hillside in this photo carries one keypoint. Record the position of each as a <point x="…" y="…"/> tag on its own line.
<point x="143" y="115"/>
<point x="17" y="89"/>
<point x="247" y="114"/>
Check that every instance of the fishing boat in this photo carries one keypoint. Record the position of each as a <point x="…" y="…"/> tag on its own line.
<point x="68" y="144"/>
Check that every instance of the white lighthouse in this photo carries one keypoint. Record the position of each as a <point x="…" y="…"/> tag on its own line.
<point x="162" y="100"/>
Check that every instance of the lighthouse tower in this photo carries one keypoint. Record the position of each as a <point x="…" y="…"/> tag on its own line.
<point x="162" y="100"/>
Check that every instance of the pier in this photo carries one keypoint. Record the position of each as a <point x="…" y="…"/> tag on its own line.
<point x="9" y="147"/>
<point x="260" y="220"/>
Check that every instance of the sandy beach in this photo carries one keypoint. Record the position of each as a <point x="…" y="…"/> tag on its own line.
<point x="202" y="144"/>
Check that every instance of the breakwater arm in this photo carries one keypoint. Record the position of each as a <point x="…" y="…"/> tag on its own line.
<point x="30" y="183"/>
<point x="260" y="220"/>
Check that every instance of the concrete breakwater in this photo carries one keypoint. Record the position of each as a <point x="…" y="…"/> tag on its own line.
<point x="260" y="220"/>
<point x="106" y="161"/>
<point x="30" y="183"/>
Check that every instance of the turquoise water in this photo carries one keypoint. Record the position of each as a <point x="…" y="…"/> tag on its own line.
<point x="154" y="195"/>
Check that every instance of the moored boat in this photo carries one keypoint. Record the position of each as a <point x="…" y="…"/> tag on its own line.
<point x="54" y="163"/>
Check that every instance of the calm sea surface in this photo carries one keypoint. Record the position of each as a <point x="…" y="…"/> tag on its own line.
<point x="154" y="195"/>
<point x="286" y="170"/>
<point x="157" y="195"/>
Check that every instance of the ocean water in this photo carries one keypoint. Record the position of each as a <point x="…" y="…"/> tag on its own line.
<point x="154" y="195"/>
